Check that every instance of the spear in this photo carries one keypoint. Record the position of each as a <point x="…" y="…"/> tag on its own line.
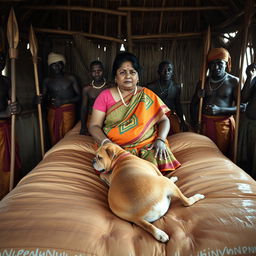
<point x="13" y="40"/>
<point x="33" y="46"/>
<point x="207" y="43"/>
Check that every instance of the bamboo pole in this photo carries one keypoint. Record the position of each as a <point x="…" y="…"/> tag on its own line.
<point x="171" y="9"/>
<point x="207" y="43"/>
<point x="33" y="46"/>
<point x="75" y="8"/>
<point x="161" y="18"/>
<point x="68" y="18"/>
<point x="129" y="28"/>
<point x="91" y="17"/>
<point x="247" y="19"/>
<point x="71" y="33"/>
<point x="13" y="40"/>
<point x="169" y="35"/>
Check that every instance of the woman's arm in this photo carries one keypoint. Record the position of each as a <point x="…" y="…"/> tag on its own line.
<point x="95" y="126"/>
<point x="163" y="126"/>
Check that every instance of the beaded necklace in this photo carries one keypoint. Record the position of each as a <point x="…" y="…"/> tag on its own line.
<point x="98" y="87"/>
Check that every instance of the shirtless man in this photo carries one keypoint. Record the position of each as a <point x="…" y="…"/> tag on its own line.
<point x="219" y="101"/>
<point x="247" y="129"/>
<point x="169" y="92"/>
<point x="61" y="93"/>
<point x="91" y="91"/>
<point x="6" y="110"/>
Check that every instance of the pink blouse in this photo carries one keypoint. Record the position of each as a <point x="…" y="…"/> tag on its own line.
<point x="104" y="101"/>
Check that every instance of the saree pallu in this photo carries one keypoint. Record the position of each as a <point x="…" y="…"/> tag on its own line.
<point x="60" y="121"/>
<point x="134" y="127"/>
<point x="246" y="150"/>
<point x="5" y="157"/>
<point x="220" y="129"/>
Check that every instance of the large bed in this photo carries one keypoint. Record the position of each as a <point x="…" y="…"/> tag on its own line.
<point x="60" y="208"/>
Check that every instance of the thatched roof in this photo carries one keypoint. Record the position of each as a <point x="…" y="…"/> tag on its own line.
<point x="130" y="20"/>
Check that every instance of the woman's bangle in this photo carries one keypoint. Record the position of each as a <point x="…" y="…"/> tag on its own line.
<point x="103" y="142"/>
<point x="159" y="138"/>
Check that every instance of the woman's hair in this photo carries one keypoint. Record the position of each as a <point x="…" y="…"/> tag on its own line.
<point x="123" y="57"/>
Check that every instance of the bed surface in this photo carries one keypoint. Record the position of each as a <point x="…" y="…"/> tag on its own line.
<point x="61" y="208"/>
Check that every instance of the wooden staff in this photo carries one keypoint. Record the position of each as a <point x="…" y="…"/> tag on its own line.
<point x="247" y="20"/>
<point x="13" y="40"/>
<point x="207" y="43"/>
<point x="33" y="46"/>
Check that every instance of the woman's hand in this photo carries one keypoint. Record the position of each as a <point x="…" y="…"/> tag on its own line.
<point x="160" y="149"/>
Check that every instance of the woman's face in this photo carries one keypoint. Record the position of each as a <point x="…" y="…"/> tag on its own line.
<point x="126" y="76"/>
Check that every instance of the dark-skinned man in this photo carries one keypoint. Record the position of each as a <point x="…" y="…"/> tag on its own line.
<point x="220" y="94"/>
<point x="61" y="94"/>
<point x="90" y="93"/>
<point x="169" y="92"/>
<point x="6" y="110"/>
<point x="246" y="153"/>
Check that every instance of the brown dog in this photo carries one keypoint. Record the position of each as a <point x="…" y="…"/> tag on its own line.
<point x="138" y="192"/>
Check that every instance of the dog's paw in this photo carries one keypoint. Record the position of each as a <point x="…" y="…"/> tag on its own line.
<point x="199" y="196"/>
<point x="161" y="236"/>
<point x="174" y="179"/>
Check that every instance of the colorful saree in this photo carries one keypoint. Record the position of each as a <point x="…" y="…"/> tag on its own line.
<point x="134" y="127"/>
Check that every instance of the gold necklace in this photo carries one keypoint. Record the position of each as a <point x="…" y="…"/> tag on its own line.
<point x="98" y="87"/>
<point x="121" y="96"/>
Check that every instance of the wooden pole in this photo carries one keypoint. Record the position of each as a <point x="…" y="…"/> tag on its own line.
<point x="33" y="46"/>
<point x="161" y="18"/>
<point x="207" y="43"/>
<point x="172" y="9"/>
<point x="129" y="28"/>
<point x="247" y="19"/>
<point x="169" y="35"/>
<point x="66" y="32"/>
<point x="74" y="8"/>
<point x="13" y="40"/>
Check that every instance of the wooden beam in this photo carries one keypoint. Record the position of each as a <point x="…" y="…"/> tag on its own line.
<point x="129" y="28"/>
<point x="161" y="18"/>
<point x="69" y="19"/>
<point x="249" y="11"/>
<point x="75" y="8"/>
<point x="172" y="9"/>
<point x="91" y="17"/>
<point x="71" y="33"/>
<point x="169" y="35"/>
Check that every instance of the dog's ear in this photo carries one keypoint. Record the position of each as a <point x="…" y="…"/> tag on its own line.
<point x="111" y="152"/>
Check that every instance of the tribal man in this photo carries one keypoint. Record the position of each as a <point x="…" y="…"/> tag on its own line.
<point x="169" y="92"/>
<point x="91" y="91"/>
<point x="219" y="98"/>
<point x="6" y="110"/>
<point x="61" y="93"/>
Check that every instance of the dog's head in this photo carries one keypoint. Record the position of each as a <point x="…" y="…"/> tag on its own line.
<point x="105" y="157"/>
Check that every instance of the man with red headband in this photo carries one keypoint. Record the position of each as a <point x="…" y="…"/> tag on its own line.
<point x="219" y="98"/>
